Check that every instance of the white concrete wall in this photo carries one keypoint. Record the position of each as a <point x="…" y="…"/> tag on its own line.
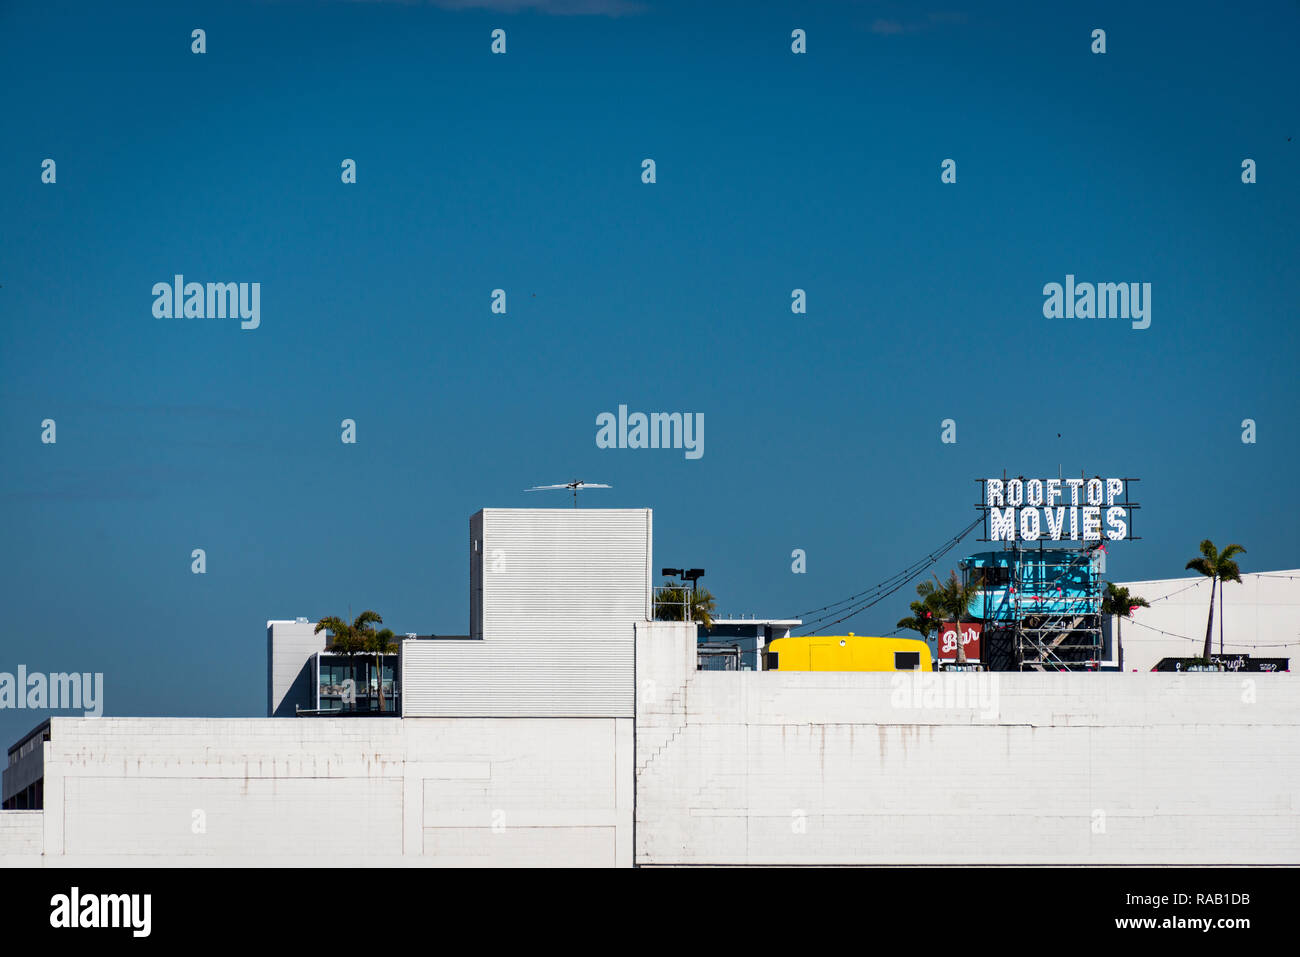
<point x="728" y="767"/>
<point x="1261" y="618"/>
<point x="863" y="768"/>
<point x="289" y="647"/>
<point x="339" y="791"/>
<point x="564" y="574"/>
<point x="665" y="662"/>
<point x="460" y="677"/>
<point x="20" y="838"/>
<point x="561" y="589"/>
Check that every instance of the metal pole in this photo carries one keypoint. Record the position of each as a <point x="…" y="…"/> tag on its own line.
<point x="1220" y="622"/>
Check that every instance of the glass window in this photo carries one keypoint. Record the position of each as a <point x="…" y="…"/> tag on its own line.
<point x="907" y="660"/>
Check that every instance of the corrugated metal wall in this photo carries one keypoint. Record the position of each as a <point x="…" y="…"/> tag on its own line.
<point x="560" y="592"/>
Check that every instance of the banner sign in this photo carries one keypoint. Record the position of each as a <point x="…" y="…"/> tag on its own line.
<point x="1058" y="510"/>
<point x="970" y="639"/>
<point x="1229" y="663"/>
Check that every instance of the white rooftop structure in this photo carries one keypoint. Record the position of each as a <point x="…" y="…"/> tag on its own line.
<point x="1260" y="618"/>
<point x="554" y="597"/>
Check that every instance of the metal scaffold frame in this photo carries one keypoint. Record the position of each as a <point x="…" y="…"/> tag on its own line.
<point x="1053" y="638"/>
<point x="1055" y="602"/>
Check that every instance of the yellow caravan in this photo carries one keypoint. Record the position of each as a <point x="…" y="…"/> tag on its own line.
<point x="847" y="653"/>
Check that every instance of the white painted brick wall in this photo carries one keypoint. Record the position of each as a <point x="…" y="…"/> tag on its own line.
<point x="20" y="837"/>
<point x="560" y="592"/>
<point x="339" y="791"/>
<point x="730" y="768"/>
<point x="854" y="768"/>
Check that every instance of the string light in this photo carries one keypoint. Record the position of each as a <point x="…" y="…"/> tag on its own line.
<point x="1241" y="644"/>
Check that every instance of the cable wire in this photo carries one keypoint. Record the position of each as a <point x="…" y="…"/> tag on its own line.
<point x="908" y="574"/>
<point x="930" y="557"/>
<point x="1236" y="644"/>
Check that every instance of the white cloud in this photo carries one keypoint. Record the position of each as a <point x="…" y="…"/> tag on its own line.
<point x="885" y="27"/>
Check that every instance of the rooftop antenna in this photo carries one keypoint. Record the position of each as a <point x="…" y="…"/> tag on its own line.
<point x="571" y="486"/>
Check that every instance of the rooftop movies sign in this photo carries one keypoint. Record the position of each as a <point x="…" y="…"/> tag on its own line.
<point x="1059" y="510"/>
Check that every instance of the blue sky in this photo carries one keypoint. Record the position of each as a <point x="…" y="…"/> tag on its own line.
<point x="522" y="172"/>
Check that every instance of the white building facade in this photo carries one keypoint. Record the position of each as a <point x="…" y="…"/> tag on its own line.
<point x="870" y="768"/>
<point x="554" y="596"/>
<point x="1260" y="617"/>
<point x="570" y="729"/>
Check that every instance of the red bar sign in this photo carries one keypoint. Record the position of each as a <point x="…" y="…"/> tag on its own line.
<point x="970" y="639"/>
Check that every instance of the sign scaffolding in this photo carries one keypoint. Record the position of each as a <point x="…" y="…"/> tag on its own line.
<point x="1041" y="602"/>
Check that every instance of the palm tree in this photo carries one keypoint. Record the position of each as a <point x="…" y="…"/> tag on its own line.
<point x="1117" y="601"/>
<point x="343" y="637"/>
<point x="671" y="602"/>
<point x="1217" y="566"/>
<point x="360" y="638"/>
<point x="953" y="599"/>
<point x="381" y="643"/>
<point x="925" y="613"/>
